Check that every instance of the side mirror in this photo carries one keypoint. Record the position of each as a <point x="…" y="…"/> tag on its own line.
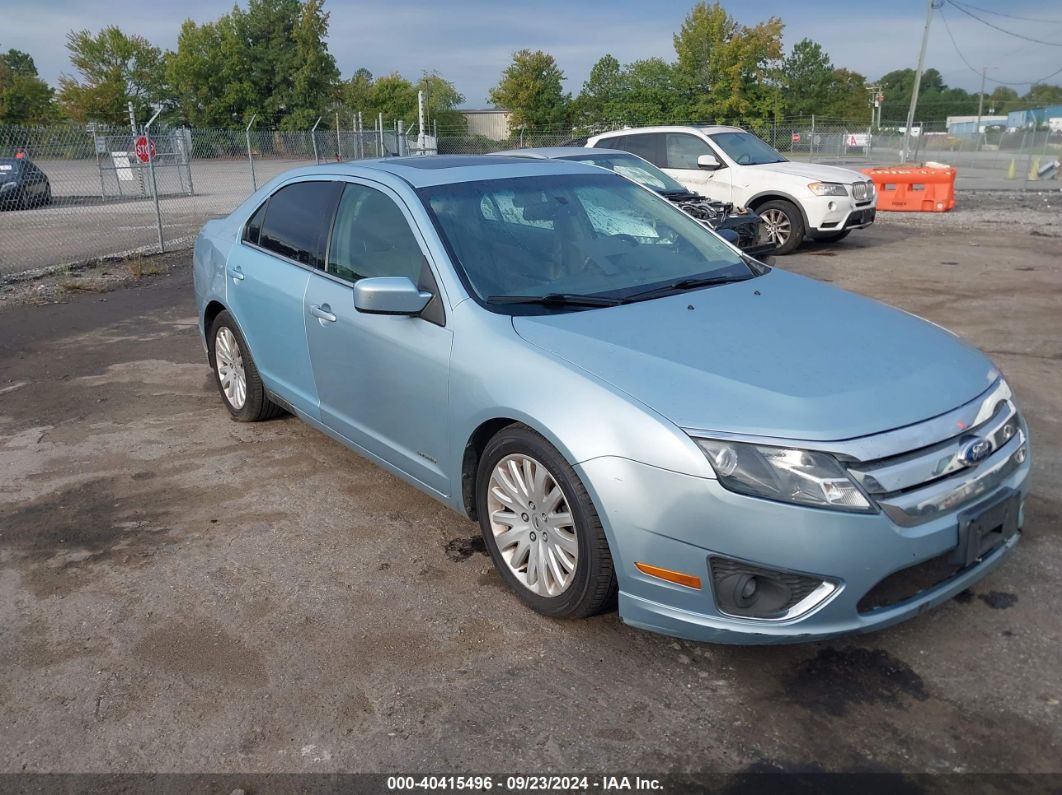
<point x="389" y="295"/>
<point x="708" y="162"/>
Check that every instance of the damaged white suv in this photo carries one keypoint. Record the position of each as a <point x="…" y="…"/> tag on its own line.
<point x="729" y="164"/>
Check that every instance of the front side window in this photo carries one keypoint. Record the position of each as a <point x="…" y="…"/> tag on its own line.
<point x="296" y="221"/>
<point x="746" y="149"/>
<point x="586" y="234"/>
<point x="683" y="150"/>
<point x="371" y="237"/>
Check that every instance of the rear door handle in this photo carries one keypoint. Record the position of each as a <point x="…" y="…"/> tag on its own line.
<point x="236" y="272"/>
<point x="322" y="312"/>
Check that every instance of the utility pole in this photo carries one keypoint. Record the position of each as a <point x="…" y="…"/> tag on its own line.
<point x="980" y="107"/>
<point x="930" y="8"/>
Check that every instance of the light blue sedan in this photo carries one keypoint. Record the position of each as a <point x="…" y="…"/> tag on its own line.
<point x="626" y="404"/>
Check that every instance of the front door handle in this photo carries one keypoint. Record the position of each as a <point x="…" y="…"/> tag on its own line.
<point x="236" y="272"/>
<point x="322" y="312"/>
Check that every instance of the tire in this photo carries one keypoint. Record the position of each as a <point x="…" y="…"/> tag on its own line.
<point x="47" y="196"/>
<point x="784" y="222"/>
<point x="831" y="237"/>
<point x="227" y="346"/>
<point x="591" y="582"/>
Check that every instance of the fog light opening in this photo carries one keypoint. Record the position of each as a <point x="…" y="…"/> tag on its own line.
<point x="747" y="591"/>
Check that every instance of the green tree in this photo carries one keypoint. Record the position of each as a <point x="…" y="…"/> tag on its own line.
<point x="115" y="69"/>
<point x="24" y="98"/>
<point x="602" y="93"/>
<point x="1043" y="94"/>
<point x="847" y="97"/>
<point x="270" y="59"/>
<point x="441" y="99"/>
<point x="807" y="79"/>
<point x="1002" y="100"/>
<point x="356" y="93"/>
<point x="650" y="96"/>
<point x="531" y="87"/>
<point x="725" y="70"/>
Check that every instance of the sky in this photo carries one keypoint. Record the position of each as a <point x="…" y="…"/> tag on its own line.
<point x="471" y="41"/>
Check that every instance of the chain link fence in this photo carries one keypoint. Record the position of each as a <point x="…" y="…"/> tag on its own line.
<point x="75" y="194"/>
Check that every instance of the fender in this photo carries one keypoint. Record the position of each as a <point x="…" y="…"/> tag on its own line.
<point x="779" y="194"/>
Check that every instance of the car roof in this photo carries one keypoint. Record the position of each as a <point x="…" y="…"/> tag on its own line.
<point x="421" y="171"/>
<point x="707" y="129"/>
<point x="561" y="152"/>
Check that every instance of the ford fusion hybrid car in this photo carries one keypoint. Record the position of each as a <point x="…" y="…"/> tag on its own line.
<point x="628" y="406"/>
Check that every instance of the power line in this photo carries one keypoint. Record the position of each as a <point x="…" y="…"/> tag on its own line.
<point x="1015" y="16"/>
<point x="1004" y="30"/>
<point x="977" y="72"/>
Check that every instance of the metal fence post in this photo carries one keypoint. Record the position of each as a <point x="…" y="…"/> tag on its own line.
<point x="154" y="185"/>
<point x="313" y="140"/>
<point x="250" y="158"/>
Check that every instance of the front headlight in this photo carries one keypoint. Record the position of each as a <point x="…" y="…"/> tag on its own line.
<point x="780" y="473"/>
<point x="827" y="189"/>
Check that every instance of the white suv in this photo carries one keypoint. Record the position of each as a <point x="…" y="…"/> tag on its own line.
<point x="731" y="165"/>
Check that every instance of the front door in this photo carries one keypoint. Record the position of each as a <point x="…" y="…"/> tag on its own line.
<point x="682" y="151"/>
<point x="382" y="380"/>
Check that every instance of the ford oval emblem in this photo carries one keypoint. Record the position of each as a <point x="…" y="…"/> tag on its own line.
<point x="975" y="451"/>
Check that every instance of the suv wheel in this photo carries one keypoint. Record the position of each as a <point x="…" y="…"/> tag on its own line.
<point x="785" y="224"/>
<point x="540" y="527"/>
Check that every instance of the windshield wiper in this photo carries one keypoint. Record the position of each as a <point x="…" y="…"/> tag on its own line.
<point x="556" y="299"/>
<point x="686" y="284"/>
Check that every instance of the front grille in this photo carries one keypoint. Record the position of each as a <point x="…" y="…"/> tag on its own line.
<point x="925" y="480"/>
<point x="909" y="583"/>
<point x="859" y="191"/>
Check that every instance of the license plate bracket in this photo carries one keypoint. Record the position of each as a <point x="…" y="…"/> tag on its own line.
<point x="986" y="526"/>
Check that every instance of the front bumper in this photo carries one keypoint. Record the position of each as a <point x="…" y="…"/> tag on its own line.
<point x="678" y="522"/>
<point x="835" y="213"/>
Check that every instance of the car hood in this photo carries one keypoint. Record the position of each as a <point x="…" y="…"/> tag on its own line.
<point x="780" y="355"/>
<point x="815" y="171"/>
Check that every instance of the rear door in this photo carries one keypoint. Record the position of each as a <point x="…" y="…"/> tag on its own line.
<point x="283" y="241"/>
<point x="382" y="380"/>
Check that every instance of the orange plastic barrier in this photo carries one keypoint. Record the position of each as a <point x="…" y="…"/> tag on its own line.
<point x="914" y="189"/>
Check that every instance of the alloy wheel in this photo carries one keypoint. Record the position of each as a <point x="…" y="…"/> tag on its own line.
<point x="533" y="525"/>
<point x="231" y="374"/>
<point x="779" y="227"/>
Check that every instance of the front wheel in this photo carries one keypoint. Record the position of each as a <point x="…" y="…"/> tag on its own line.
<point x="541" y="528"/>
<point x="785" y="224"/>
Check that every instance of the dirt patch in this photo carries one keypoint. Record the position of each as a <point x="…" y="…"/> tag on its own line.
<point x="458" y="549"/>
<point x="835" y="679"/>
<point x="203" y="649"/>
<point x="998" y="600"/>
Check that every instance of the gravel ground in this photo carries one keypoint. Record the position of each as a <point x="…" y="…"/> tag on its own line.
<point x="182" y="593"/>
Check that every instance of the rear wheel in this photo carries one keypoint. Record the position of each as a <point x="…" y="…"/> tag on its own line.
<point x="785" y="224"/>
<point x="541" y="528"/>
<point x="236" y="374"/>
<point x="831" y="237"/>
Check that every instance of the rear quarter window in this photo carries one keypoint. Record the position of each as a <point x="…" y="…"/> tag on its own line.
<point x="297" y="221"/>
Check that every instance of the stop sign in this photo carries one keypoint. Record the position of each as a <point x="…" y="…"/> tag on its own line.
<point x="143" y="153"/>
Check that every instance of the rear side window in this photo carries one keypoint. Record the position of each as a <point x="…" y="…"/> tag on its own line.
<point x="648" y="146"/>
<point x="297" y="220"/>
<point x="253" y="230"/>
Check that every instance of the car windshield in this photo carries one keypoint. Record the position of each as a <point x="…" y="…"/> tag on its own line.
<point x="746" y="149"/>
<point x="572" y="235"/>
<point x="9" y="165"/>
<point x="633" y="167"/>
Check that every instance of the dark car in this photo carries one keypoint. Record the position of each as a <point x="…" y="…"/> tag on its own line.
<point x="22" y="184"/>
<point x="742" y="227"/>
